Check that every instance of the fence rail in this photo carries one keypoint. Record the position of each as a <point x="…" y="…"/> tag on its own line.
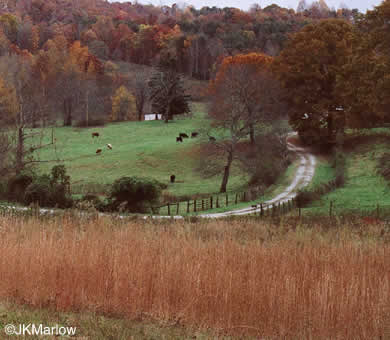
<point x="203" y="204"/>
<point x="221" y="201"/>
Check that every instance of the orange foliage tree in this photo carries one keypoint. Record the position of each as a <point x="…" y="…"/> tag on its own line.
<point x="243" y="95"/>
<point x="309" y="68"/>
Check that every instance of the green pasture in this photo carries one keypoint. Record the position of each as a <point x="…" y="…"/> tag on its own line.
<point x="364" y="188"/>
<point x="146" y="148"/>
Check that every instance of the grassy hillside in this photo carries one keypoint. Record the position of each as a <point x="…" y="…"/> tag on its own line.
<point x="139" y="148"/>
<point x="364" y="187"/>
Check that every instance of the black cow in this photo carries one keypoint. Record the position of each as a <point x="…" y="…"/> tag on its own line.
<point x="183" y="135"/>
<point x="194" y="134"/>
<point x="173" y="177"/>
<point x="95" y="134"/>
<point x="179" y="139"/>
<point x="212" y="139"/>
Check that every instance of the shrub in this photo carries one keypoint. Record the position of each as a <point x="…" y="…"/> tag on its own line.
<point x="3" y="190"/>
<point x="39" y="191"/>
<point x="136" y="194"/>
<point x="305" y="197"/>
<point x="17" y="186"/>
<point x="384" y="166"/>
<point x="49" y="190"/>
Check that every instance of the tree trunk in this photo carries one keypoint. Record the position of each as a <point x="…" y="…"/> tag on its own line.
<point x="20" y="150"/>
<point x="87" y="108"/>
<point x="252" y="133"/>
<point x="166" y="114"/>
<point x="330" y="126"/>
<point x="226" y="172"/>
<point x="68" y="112"/>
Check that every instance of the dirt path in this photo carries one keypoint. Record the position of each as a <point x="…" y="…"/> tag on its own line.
<point x="303" y="176"/>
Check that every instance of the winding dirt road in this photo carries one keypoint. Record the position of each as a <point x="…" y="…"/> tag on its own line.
<point x="303" y="176"/>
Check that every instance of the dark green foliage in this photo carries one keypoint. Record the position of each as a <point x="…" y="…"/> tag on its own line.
<point x="39" y="191"/>
<point x="136" y="194"/>
<point x="48" y="190"/>
<point x="17" y="186"/>
<point x="3" y="190"/>
<point x="305" y="197"/>
<point x="384" y="166"/>
<point x="167" y="94"/>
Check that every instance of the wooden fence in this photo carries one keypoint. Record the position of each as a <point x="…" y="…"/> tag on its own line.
<point x="220" y="201"/>
<point x="202" y="204"/>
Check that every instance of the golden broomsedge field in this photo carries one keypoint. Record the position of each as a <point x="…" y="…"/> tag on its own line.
<point x="243" y="277"/>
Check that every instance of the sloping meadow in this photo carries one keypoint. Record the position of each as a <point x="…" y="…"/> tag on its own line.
<point x="240" y="277"/>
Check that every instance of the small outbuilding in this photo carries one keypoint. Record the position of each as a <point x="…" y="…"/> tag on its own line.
<point x="152" y="116"/>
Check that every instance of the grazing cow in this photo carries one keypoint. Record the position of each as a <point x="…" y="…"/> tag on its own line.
<point x="109" y="146"/>
<point x="179" y="139"/>
<point x="183" y="135"/>
<point x="173" y="177"/>
<point x="212" y="139"/>
<point x="194" y="134"/>
<point x="98" y="151"/>
<point x="95" y="134"/>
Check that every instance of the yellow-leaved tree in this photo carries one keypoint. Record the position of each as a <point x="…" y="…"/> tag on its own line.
<point x="123" y="105"/>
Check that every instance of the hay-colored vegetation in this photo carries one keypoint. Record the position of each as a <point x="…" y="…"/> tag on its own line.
<point x="242" y="277"/>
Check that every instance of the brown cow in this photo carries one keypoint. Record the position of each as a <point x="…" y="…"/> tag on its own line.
<point x="95" y="134"/>
<point x="98" y="151"/>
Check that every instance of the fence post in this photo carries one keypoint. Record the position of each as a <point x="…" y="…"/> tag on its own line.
<point x="202" y="205"/>
<point x="299" y="211"/>
<point x="236" y="199"/>
<point x="288" y="205"/>
<point x="194" y="205"/>
<point x="169" y="209"/>
<point x="244" y="196"/>
<point x="273" y="210"/>
<point x="217" y="201"/>
<point x="177" y="208"/>
<point x="261" y="210"/>
<point x="188" y="207"/>
<point x="227" y="199"/>
<point x="211" y="202"/>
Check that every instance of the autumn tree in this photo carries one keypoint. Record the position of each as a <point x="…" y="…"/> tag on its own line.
<point x="251" y="88"/>
<point x="123" y="105"/>
<point x="375" y="50"/>
<point x="243" y="95"/>
<point x="309" y="68"/>
<point x="21" y="103"/>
